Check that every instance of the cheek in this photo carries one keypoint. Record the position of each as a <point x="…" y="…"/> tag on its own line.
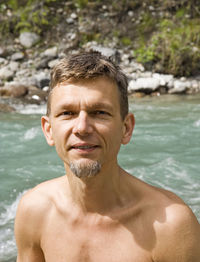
<point x="59" y="133"/>
<point x="113" y="135"/>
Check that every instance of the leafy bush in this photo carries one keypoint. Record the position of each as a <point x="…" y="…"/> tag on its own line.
<point x="175" y="47"/>
<point x="31" y="15"/>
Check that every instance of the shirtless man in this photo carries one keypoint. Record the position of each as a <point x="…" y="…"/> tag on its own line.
<point x="98" y="212"/>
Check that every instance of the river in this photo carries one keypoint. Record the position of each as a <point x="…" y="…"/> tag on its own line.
<point x="164" y="151"/>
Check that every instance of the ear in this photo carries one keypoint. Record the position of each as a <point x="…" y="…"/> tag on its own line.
<point x="129" y="123"/>
<point x="47" y="130"/>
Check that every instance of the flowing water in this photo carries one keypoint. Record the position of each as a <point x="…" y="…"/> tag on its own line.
<point x="164" y="151"/>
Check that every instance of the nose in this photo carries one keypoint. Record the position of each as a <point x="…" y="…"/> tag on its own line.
<point x="82" y="124"/>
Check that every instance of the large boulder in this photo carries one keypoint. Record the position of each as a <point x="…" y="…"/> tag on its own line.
<point x="28" y="39"/>
<point x="180" y="87"/>
<point x="13" y="91"/>
<point x="146" y="85"/>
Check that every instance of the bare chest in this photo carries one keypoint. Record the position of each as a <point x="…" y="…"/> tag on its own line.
<point x="61" y="243"/>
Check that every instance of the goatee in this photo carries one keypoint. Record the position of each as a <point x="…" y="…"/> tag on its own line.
<point x="83" y="170"/>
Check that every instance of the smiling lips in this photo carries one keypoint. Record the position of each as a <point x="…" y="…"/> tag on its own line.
<point x="84" y="147"/>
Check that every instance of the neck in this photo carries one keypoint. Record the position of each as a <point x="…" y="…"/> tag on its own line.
<point x="98" y="194"/>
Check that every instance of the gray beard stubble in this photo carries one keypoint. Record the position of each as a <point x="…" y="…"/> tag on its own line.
<point x="87" y="170"/>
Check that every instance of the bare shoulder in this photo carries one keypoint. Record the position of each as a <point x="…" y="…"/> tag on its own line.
<point x="39" y="198"/>
<point x="34" y="207"/>
<point x="178" y="233"/>
<point x="173" y="224"/>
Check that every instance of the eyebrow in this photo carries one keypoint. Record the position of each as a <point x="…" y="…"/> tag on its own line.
<point x="101" y="105"/>
<point x="95" y="106"/>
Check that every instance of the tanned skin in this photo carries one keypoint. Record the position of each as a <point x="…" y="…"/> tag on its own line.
<point x="112" y="216"/>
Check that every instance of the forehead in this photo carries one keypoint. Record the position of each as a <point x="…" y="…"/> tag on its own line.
<point x="86" y="91"/>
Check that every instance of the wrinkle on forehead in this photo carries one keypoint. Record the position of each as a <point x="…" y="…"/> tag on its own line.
<point x="88" y="94"/>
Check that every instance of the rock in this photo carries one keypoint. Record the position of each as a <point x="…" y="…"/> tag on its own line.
<point x="3" y="52"/>
<point x="70" y="20"/>
<point x="146" y="85"/>
<point x="106" y="51"/>
<point x="2" y="60"/>
<point x="42" y="79"/>
<point x="137" y="95"/>
<point x="17" y="56"/>
<point x="145" y="74"/>
<point x="163" y="90"/>
<point x="13" y="91"/>
<point x="51" y="52"/>
<point x="6" y="73"/>
<point x="28" y="39"/>
<point x="42" y="63"/>
<point x="180" y="87"/>
<point x="74" y="16"/>
<point x="6" y="108"/>
<point x="164" y="79"/>
<point x="37" y="94"/>
<point x="52" y="63"/>
<point x="14" y="66"/>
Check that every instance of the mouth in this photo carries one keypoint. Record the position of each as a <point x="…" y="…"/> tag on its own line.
<point x="84" y="147"/>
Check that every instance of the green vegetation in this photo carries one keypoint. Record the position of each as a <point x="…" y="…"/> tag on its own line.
<point x="164" y="35"/>
<point x="31" y="15"/>
<point x="174" y="46"/>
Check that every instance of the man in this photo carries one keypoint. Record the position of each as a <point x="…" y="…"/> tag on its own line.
<point x="98" y="212"/>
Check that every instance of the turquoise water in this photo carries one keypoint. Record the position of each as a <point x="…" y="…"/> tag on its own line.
<point x="164" y="151"/>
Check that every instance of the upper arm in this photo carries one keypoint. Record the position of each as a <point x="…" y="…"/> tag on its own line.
<point x="28" y="230"/>
<point x="179" y="240"/>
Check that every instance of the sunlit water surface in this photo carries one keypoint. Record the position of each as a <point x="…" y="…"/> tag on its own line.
<point x="164" y="151"/>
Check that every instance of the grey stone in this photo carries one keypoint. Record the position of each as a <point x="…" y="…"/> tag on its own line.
<point x="52" y="63"/>
<point x="74" y="16"/>
<point x="70" y="20"/>
<point x="2" y="60"/>
<point x="17" y="56"/>
<point x="144" y="84"/>
<point x="14" y="66"/>
<point x="180" y="87"/>
<point x="3" y="52"/>
<point x="42" y="79"/>
<point x="51" y="52"/>
<point x="6" y="73"/>
<point x="106" y="51"/>
<point x="42" y="63"/>
<point x="28" y="39"/>
<point x="164" y="79"/>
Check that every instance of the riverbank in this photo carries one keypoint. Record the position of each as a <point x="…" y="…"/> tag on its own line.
<point x="155" y="44"/>
<point x="25" y="79"/>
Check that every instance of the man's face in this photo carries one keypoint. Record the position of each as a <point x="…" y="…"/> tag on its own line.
<point x="85" y="124"/>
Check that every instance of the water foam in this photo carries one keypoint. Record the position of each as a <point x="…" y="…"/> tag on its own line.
<point x="197" y="123"/>
<point x="31" y="133"/>
<point x="31" y="109"/>
<point x="7" y="241"/>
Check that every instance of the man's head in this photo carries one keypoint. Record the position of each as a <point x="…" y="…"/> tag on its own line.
<point x="90" y="65"/>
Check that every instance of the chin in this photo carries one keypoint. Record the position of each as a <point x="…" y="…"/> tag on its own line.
<point x="85" y="167"/>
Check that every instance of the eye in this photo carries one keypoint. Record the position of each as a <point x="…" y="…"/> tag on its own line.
<point x="67" y="113"/>
<point x="101" y="113"/>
